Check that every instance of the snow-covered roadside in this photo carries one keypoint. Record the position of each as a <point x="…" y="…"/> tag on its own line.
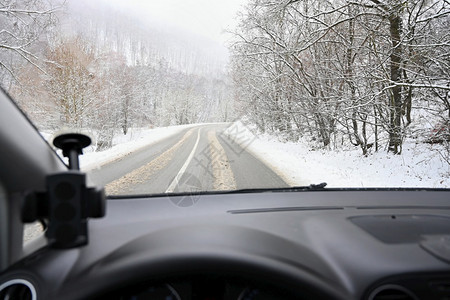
<point x="123" y="145"/>
<point x="420" y="165"/>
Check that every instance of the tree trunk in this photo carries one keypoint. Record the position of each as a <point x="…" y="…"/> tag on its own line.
<point x="395" y="104"/>
<point x="376" y="128"/>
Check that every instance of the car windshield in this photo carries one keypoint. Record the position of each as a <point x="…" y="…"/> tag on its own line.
<point x="186" y="96"/>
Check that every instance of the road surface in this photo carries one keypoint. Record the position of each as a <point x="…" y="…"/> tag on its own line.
<point x="202" y="158"/>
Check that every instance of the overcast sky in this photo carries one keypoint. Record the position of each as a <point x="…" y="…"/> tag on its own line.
<point x="205" y="17"/>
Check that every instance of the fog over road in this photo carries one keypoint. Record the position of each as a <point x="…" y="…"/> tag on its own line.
<point x="201" y="158"/>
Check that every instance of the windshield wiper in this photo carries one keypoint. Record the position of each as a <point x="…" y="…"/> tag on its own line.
<point x="319" y="186"/>
<point x="311" y="187"/>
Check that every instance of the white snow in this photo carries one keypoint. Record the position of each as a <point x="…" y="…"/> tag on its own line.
<point x="135" y="139"/>
<point x="419" y="165"/>
<point x="125" y="144"/>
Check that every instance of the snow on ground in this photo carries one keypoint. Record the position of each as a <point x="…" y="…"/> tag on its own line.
<point x="125" y="144"/>
<point x="420" y="165"/>
<point x="135" y="139"/>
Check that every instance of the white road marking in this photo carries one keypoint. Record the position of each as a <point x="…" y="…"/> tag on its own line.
<point x="175" y="181"/>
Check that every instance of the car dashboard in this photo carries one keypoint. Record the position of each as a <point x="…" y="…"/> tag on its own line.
<point x="328" y="244"/>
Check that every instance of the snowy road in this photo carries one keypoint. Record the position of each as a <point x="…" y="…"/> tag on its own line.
<point x="197" y="158"/>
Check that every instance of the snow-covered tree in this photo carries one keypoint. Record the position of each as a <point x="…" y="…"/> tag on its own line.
<point x="23" y="28"/>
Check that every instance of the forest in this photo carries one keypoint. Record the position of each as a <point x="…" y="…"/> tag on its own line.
<point x="77" y="65"/>
<point x="366" y="74"/>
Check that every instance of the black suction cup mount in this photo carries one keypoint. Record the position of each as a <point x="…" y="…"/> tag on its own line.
<point x="67" y="203"/>
<point x="72" y="145"/>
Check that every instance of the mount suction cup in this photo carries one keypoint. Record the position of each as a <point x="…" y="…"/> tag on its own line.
<point x="67" y="203"/>
<point x="72" y="145"/>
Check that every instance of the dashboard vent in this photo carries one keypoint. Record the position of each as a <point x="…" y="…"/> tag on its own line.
<point x="17" y="289"/>
<point x="392" y="292"/>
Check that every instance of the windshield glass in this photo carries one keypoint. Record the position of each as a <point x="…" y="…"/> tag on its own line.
<point x="182" y="96"/>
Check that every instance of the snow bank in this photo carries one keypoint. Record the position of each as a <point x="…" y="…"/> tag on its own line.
<point x="420" y="165"/>
<point x="135" y="139"/>
<point x="125" y="144"/>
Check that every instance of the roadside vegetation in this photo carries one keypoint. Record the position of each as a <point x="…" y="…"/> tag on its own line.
<point x="334" y="74"/>
<point x="369" y="73"/>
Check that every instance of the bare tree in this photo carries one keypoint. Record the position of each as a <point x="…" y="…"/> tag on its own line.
<point x="72" y="79"/>
<point x="341" y="69"/>
<point x="23" y="26"/>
